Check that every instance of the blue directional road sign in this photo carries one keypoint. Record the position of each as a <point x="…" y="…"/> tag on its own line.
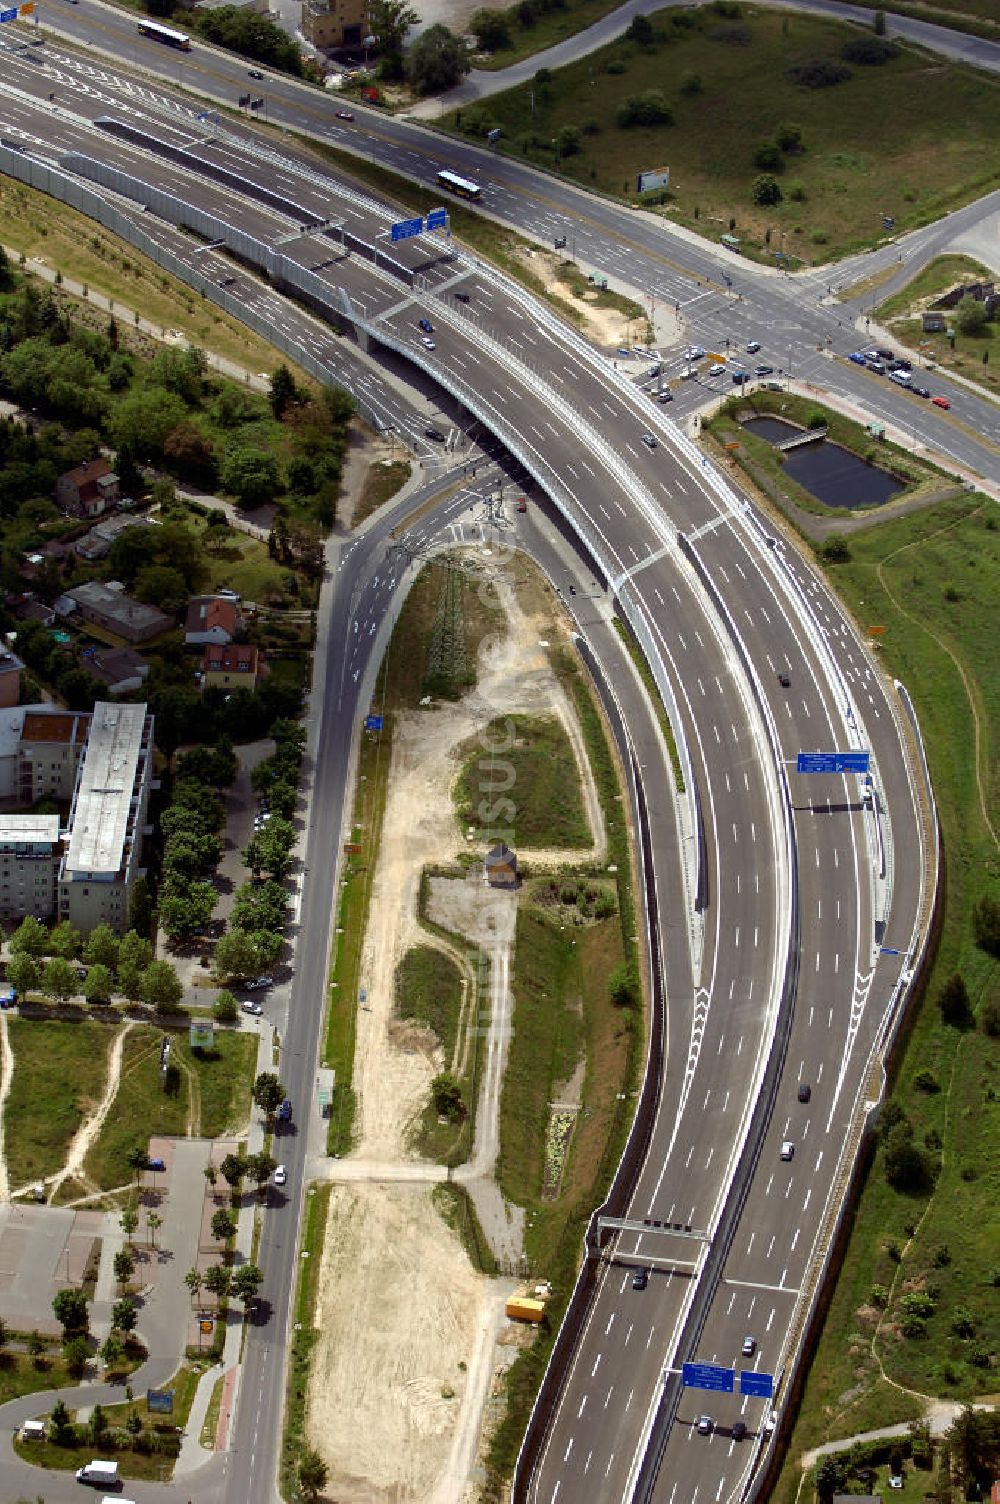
<point x="833" y="762"/>
<point x="373" y="723"/>
<point x="405" y="229"/>
<point x="437" y="219"/>
<point x="760" y="1385"/>
<point x="708" y="1376"/>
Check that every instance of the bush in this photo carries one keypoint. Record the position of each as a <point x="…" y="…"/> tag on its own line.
<point x="797" y="192"/>
<point x="789" y="137"/>
<point x="648" y="108"/>
<point x="768" y="156"/>
<point x="835" y="550"/>
<point x="953" y="1000"/>
<point x="986" y="924"/>
<point x="907" y="1167"/>
<point x="989" y="1018"/>
<point x="766" y="190"/>
<point x="868" y="51"/>
<point x="926" y="1081"/>
<point x="692" y="84"/>
<point x="491" y="29"/>
<point x="971" y="316"/>
<point x="820" y="73"/>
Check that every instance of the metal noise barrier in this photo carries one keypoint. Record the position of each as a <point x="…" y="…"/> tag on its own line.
<point x="630" y="1163"/>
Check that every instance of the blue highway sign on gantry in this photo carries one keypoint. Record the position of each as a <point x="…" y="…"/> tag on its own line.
<point x="833" y="762"/>
<point x="708" y="1376"/>
<point x="405" y="229"/>
<point x="760" y="1385"/>
<point x="437" y="219"/>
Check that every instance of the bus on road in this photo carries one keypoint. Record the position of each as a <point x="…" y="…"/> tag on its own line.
<point x="464" y="187"/>
<point x="165" y="34"/>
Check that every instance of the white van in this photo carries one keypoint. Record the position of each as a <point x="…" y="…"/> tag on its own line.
<point x="901" y="378"/>
<point x="33" y="1430"/>
<point x="98" y="1471"/>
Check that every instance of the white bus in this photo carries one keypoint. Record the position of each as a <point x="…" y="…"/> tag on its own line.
<point x="464" y="187"/>
<point x="165" y="34"/>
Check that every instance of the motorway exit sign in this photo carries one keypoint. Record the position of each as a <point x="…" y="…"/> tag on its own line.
<point x="833" y="762"/>
<point x="759" y="1385"/>
<point x="708" y="1376"/>
<point x="437" y="219"/>
<point x="405" y="229"/>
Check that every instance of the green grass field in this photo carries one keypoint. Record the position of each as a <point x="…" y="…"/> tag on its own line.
<point x="976" y="356"/>
<point x="60" y="1070"/>
<point x="932" y="579"/>
<point x="535" y="774"/>
<point x="429" y="991"/>
<point x="867" y="152"/>
<point x="383" y="480"/>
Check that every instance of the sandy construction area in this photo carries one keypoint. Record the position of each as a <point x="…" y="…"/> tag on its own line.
<point x="407" y="1330"/>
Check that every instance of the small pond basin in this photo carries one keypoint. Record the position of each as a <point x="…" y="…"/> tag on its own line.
<point x="831" y="474"/>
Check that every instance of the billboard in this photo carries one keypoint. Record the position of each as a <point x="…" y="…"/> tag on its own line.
<point x="405" y="229"/>
<point x="658" y="178"/>
<point x="201" y="1034"/>
<point x="832" y="762"/>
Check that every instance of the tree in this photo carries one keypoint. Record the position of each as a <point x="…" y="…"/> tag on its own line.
<point x="31" y="938"/>
<point x="194" y="1282"/>
<point x="648" y="108"/>
<point x="641" y="31"/>
<point x="124" y="1316"/>
<point x="183" y="912"/>
<point x="23" y="973"/>
<point x="971" y="316"/>
<point x="985" y="924"/>
<point x="141" y="421"/>
<point x="789" y="137"/>
<point x="189" y="454"/>
<point x="390" y="20"/>
<point x="98" y="986"/>
<point x="129" y="1219"/>
<point x="159" y="585"/>
<point x="283" y="392"/>
<point x="76" y="1351"/>
<point x="268" y="1093"/>
<point x="232" y="1169"/>
<point x="250" y="475"/>
<point x="259" y="906"/>
<point x="260" y="1167"/>
<point x="161" y="987"/>
<point x="623" y="985"/>
<point x="112" y="1353"/>
<point x="436" y="61"/>
<point x="124" y="1265"/>
<point x="61" y="1425"/>
<point x="217" y="1281"/>
<point x="134" y="950"/>
<point x="271" y="849"/>
<point x="491" y="28"/>
<point x="246" y="1281"/>
<point x="70" y="1309"/>
<point x="225" y="1008"/>
<point x="223" y="1225"/>
<point x="827" y="1478"/>
<point x="953" y="1000"/>
<point x="447" y="1095"/>
<point x="313" y="1474"/>
<point x="138" y="1161"/>
<point x="907" y="1167"/>
<point x="64" y="941"/>
<point x="236" y="956"/>
<point x="836" y="549"/>
<point x="153" y="1222"/>
<point x="766" y="190"/>
<point x="59" y="980"/>
<point x="768" y="156"/>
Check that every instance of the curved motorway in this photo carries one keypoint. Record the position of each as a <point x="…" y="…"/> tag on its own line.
<point x="793" y="972"/>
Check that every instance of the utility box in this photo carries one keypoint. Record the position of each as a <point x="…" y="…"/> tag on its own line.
<point x="524" y="1308"/>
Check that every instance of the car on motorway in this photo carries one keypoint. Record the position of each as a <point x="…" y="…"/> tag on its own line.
<point x="805" y="1091"/>
<point x="787" y="1149"/>
<point x="426" y="326"/>
<point x="254" y="73"/>
<point x="901" y="378"/>
<point x="739" y="1430"/>
<point x="649" y="439"/>
<point x="749" y="1347"/>
<point x="716" y="369"/>
<point x="941" y="402"/>
<point x="886" y="355"/>
<point x="785" y="681"/>
<point x="640" y="1279"/>
<point x="859" y="357"/>
<point x="753" y="346"/>
<point x="427" y="342"/>
<point x="435" y="434"/>
<point x="665" y="396"/>
<point x="280" y="1175"/>
<point x="704" y="1425"/>
<point x="763" y="370"/>
<point x="250" y="1005"/>
<point x="344" y="115"/>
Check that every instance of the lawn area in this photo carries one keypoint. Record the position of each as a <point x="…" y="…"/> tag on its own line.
<point x="48" y="231"/>
<point x="429" y="991"/>
<point x="241" y="562"/>
<point x="211" y="1096"/>
<point x="537" y="775"/>
<point x="22" y="1374"/>
<point x="383" y="480"/>
<point x="314" y="1221"/>
<point x="154" y="1467"/>
<point x="60" y="1071"/>
<point x="864" y="151"/>
<point x="935" y="278"/>
<point x="933" y="579"/>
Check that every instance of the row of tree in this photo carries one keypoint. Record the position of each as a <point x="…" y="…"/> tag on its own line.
<point x="125" y="966"/>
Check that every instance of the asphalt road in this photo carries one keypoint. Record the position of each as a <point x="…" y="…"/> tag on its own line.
<point x="722" y="626"/>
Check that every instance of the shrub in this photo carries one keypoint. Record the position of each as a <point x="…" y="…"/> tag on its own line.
<point x="766" y="190"/>
<point x="953" y="1000"/>
<point x="868" y="51"/>
<point x="789" y="137"/>
<point x="648" y="108"/>
<point x="797" y="192"/>
<point x="907" y="1166"/>
<point x="986" y="924"/>
<point x="819" y="73"/>
<point x="692" y="84"/>
<point x="926" y="1081"/>
<point x="768" y="157"/>
<point x="616" y="65"/>
<point x="835" y="550"/>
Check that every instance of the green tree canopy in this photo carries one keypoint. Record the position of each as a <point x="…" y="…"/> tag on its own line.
<point x="99" y="985"/>
<point x="436" y="61"/>
<point x="31" y="938"/>
<point x="101" y="948"/>
<point x="59" y="979"/>
<point x="268" y="1092"/>
<point x="161" y="987"/>
<point x="250" y="475"/>
<point x="70" y="1310"/>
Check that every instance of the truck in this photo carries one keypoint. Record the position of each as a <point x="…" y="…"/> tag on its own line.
<point x="100" y="1472"/>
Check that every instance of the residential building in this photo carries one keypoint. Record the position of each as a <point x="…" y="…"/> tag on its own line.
<point x="10" y="677"/>
<point x="111" y="611"/>
<point x="237" y="665"/>
<point x="107" y="818"/>
<point x="335" y="23"/>
<point x="121" y="669"/>
<point x="29" y="864"/>
<point x="11" y="722"/>
<point x="211" y="619"/>
<point x="97" y="543"/>
<point x="49" y="751"/>
<point x="88" y="490"/>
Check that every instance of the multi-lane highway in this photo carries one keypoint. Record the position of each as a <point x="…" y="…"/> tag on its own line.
<point x="791" y="973"/>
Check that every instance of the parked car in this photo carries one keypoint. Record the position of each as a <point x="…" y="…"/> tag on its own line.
<point x="426" y="326"/>
<point x="753" y="347"/>
<point x="225" y="594"/>
<point x="920" y="391"/>
<point x="250" y="1005"/>
<point x="261" y="982"/>
<point x="156" y="1163"/>
<point x="694" y="352"/>
<point x="901" y="378"/>
<point x="665" y="396"/>
<point x="941" y="402"/>
<point x="280" y="1175"/>
<point x="859" y="357"/>
<point x="877" y="366"/>
<point x="717" y="369"/>
<point x="739" y="377"/>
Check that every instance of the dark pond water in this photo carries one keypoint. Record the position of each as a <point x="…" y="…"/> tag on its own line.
<point x="835" y="476"/>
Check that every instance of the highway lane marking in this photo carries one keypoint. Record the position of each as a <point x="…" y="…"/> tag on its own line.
<point x="586" y="1465"/>
<point x="597" y="1364"/>
<point x="753" y="1284"/>
<point x="583" y="1405"/>
<point x="607" y="1400"/>
<point x="569" y="1449"/>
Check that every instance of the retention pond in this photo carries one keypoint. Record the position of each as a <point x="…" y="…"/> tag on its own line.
<point x="834" y="475"/>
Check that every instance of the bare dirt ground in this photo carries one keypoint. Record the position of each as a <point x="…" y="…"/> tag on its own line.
<point x="606" y="327"/>
<point x="399" y="1307"/>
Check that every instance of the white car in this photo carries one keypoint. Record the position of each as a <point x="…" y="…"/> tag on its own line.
<point x="250" y="1006"/>
<point x="718" y="369"/>
<point x="694" y="352"/>
<point x="427" y="342"/>
<point x="280" y="1175"/>
<point x="787" y="1149"/>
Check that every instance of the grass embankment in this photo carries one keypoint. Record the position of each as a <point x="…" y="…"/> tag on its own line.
<point x="206" y="1096"/>
<point x="975" y="356"/>
<point x="534" y="774"/>
<point x="866" y="152"/>
<point x="638" y="657"/>
<point x="60" y="1072"/>
<point x="49" y="232"/>
<point x="430" y="991"/>
<point x="293" y="1441"/>
<point x="563" y="1015"/>
<point x="932" y="579"/>
<point x="383" y="480"/>
<point x="764" y="464"/>
<point x="435" y="644"/>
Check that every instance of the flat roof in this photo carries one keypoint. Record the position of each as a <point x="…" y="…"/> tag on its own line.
<point x="51" y="726"/>
<point x="29" y="828"/>
<point x="104" y="791"/>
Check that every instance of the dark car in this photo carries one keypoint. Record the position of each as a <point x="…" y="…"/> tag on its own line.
<point x="155" y="1164"/>
<point x="859" y="357"/>
<point x="285" y="1112"/>
<point x="739" y="1430"/>
<point x="885" y="354"/>
<point x="877" y="366"/>
<point x="784" y="681"/>
<point x="344" y="115"/>
<point x="805" y="1091"/>
<point x="901" y="365"/>
<point x="664" y="396"/>
<point x="254" y="73"/>
<point x="426" y="326"/>
<point x="920" y="391"/>
<point x="640" y="1279"/>
<point x="435" y="434"/>
<point x="740" y="376"/>
<point x="763" y="370"/>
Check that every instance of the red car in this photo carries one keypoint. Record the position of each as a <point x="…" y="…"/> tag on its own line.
<point x="522" y="505"/>
<point x="344" y="115"/>
<point x="941" y="402"/>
